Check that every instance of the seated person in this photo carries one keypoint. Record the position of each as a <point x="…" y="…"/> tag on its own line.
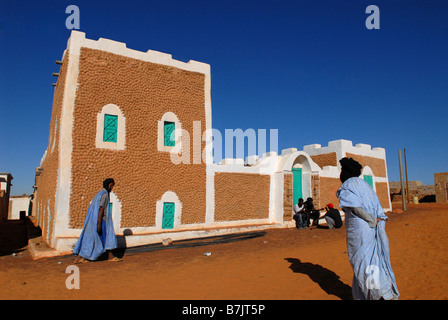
<point x="299" y="214"/>
<point x="311" y="213"/>
<point x="333" y="217"/>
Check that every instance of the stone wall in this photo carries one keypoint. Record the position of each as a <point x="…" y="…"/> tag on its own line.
<point x="441" y="186"/>
<point x="287" y="197"/>
<point x="328" y="188"/>
<point x="241" y="196"/>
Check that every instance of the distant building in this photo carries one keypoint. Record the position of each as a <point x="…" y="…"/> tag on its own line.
<point x="5" y="190"/>
<point x="19" y="207"/>
<point x="114" y="112"/>
<point x="441" y="186"/>
<point x="424" y="193"/>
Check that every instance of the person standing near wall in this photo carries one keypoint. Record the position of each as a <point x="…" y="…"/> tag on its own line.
<point x="367" y="242"/>
<point x="98" y="234"/>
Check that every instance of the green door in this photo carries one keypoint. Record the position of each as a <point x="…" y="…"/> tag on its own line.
<point x="296" y="184"/>
<point x="168" y="215"/>
<point x="369" y="180"/>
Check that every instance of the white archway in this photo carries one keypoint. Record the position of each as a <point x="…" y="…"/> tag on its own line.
<point x="367" y="171"/>
<point x="170" y="197"/>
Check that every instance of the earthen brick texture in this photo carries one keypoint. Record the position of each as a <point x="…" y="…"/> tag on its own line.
<point x="377" y="165"/>
<point x="241" y="196"/>
<point x="144" y="91"/>
<point x="327" y="159"/>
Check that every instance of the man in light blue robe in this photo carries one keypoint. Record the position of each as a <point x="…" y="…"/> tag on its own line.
<point x="367" y="242"/>
<point x="98" y="234"/>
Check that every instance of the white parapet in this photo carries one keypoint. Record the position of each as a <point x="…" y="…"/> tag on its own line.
<point x="120" y="48"/>
<point x="251" y="160"/>
<point x="288" y="151"/>
<point x="231" y="161"/>
<point x="341" y="147"/>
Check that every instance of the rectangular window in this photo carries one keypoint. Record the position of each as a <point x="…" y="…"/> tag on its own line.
<point x="110" y="128"/>
<point x="168" y="215"/>
<point x="168" y="134"/>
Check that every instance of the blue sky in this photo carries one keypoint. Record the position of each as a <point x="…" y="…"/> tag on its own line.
<point x="310" y="69"/>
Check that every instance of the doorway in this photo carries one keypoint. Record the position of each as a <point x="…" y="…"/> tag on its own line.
<point x="297" y="190"/>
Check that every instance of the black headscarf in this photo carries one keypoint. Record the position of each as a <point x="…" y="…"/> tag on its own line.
<point x="349" y="168"/>
<point x="107" y="182"/>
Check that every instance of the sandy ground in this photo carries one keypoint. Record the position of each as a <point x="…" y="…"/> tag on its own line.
<point x="284" y="264"/>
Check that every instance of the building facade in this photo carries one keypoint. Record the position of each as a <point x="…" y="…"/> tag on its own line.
<point x="127" y="114"/>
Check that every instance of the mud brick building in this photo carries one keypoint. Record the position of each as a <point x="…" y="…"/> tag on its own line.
<point x="120" y="113"/>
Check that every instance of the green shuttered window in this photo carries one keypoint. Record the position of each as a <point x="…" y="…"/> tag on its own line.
<point x="168" y="134"/>
<point x="168" y="215"/>
<point x="110" y="128"/>
<point x="369" y="180"/>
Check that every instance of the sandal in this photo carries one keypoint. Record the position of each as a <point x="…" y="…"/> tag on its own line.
<point x="115" y="259"/>
<point x="81" y="260"/>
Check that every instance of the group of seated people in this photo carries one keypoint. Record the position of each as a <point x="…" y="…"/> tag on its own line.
<point x="305" y="211"/>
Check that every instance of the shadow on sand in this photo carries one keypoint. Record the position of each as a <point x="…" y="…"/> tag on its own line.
<point x="326" y="279"/>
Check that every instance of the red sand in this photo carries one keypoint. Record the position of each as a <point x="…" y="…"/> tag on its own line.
<point x="284" y="264"/>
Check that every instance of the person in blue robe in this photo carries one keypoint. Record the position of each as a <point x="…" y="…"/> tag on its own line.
<point x="98" y="234"/>
<point x="367" y="242"/>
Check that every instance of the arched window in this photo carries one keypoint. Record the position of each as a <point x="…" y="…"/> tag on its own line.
<point x="168" y="211"/>
<point x="111" y="128"/>
<point x="368" y="176"/>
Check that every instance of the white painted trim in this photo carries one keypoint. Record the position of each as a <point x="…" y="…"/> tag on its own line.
<point x="114" y="110"/>
<point x="120" y="48"/>
<point x="169" y="117"/>
<point x="288" y="162"/>
<point x="64" y="245"/>
<point x="168" y="196"/>
<point x="55" y="134"/>
<point x="367" y="171"/>
<point x="210" y="196"/>
<point x="63" y="187"/>
<point x="116" y="212"/>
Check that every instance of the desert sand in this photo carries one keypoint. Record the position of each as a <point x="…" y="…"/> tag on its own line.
<point x="282" y="264"/>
